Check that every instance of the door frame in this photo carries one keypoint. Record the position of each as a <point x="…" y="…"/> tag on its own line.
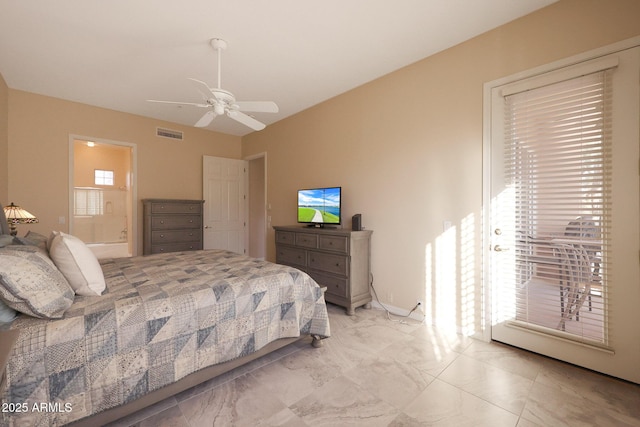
<point x="487" y="287"/>
<point x="265" y="210"/>
<point x="133" y="234"/>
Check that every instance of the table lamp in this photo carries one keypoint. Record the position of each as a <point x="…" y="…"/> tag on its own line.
<point x="17" y="215"/>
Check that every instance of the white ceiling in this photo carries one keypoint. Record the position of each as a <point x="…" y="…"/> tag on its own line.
<point x="117" y="54"/>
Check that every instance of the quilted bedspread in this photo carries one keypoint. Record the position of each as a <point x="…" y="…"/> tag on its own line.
<point x="161" y="318"/>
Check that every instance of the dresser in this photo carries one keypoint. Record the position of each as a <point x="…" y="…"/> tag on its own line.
<point x="338" y="259"/>
<point x="172" y="225"/>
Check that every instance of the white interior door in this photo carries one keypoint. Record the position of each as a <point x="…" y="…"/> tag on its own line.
<point x="530" y="275"/>
<point x="224" y="193"/>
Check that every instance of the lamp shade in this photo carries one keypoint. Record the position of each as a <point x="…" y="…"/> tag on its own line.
<point x="17" y="215"/>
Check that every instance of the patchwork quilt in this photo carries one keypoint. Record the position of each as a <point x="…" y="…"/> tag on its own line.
<point x="161" y="318"/>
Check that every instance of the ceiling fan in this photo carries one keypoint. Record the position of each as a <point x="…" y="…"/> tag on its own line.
<point x="218" y="101"/>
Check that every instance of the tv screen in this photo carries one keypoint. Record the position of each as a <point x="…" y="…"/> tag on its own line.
<point x="319" y="205"/>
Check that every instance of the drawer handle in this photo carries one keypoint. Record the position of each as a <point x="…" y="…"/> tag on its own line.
<point x="162" y="236"/>
<point x="337" y="264"/>
<point x="161" y="222"/>
<point x="161" y="249"/>
<point x="190" y="234"/>
<point x="190" y="221"/>
<point x="190" y="207"/>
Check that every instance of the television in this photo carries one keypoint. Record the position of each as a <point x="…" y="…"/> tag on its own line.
<point x="319" y="206"/>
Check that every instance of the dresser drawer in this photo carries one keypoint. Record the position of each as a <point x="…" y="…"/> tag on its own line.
<point x="173" y="222"/>
<point x="290" y="256"/>
<point x="176" y="247"/>
<point x="286" y="237"/>
<point x="334" y="243"/>
<point x="175" y="208"/>
<point x="337" y="264"/>
<point x="171" y="236"/>
<point x="307" y="240"/>
<point x="335" y="285"/>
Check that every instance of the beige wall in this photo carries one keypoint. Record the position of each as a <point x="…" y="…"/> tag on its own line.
<point x="4" y="140"/>
<point x="407" y="150"/>
<point x="38" y="140"/>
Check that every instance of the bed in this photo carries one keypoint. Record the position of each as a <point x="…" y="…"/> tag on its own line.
<point x="163" y="323"/>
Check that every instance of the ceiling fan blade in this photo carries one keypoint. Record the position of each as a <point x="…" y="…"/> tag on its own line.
<point x="206" y="119"/>
<point x="203" y="88"/>
<point x="179" y="103"/>
<point x="258" y="106"/>
<point x="246" y="120"/>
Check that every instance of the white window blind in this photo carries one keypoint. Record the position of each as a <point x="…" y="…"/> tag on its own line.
<point x="88" y="201"/>
<point x="558" y="149"/>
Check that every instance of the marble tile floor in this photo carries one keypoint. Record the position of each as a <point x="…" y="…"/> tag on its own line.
<point x="374" y="371"/>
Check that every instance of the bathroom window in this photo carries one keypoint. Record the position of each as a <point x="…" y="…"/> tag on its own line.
<point x="103" y="177"/>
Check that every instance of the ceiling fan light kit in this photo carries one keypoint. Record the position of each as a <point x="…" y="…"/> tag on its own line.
<point x="219" y="101"/>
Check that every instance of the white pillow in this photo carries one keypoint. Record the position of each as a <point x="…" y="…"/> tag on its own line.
<point x="78" y="264"/>
<point x="52" y="236"/>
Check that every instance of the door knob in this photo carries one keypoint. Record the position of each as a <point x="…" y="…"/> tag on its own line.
<point x="499" y="248"/>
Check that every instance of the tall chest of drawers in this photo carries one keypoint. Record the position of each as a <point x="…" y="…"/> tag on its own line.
<point x="172" y="225"/>
<point x="336" y="258"/>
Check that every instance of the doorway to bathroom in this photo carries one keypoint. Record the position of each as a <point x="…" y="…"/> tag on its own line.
<point x="102" y="205"/>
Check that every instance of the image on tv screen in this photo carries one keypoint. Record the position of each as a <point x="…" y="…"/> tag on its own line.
<point x="320" y="205"/>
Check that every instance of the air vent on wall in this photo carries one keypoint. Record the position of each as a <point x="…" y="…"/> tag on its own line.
<point x="169" y="133"/>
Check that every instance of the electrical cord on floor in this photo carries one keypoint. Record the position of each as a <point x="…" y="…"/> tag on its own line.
<point x="389" y="313"/>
